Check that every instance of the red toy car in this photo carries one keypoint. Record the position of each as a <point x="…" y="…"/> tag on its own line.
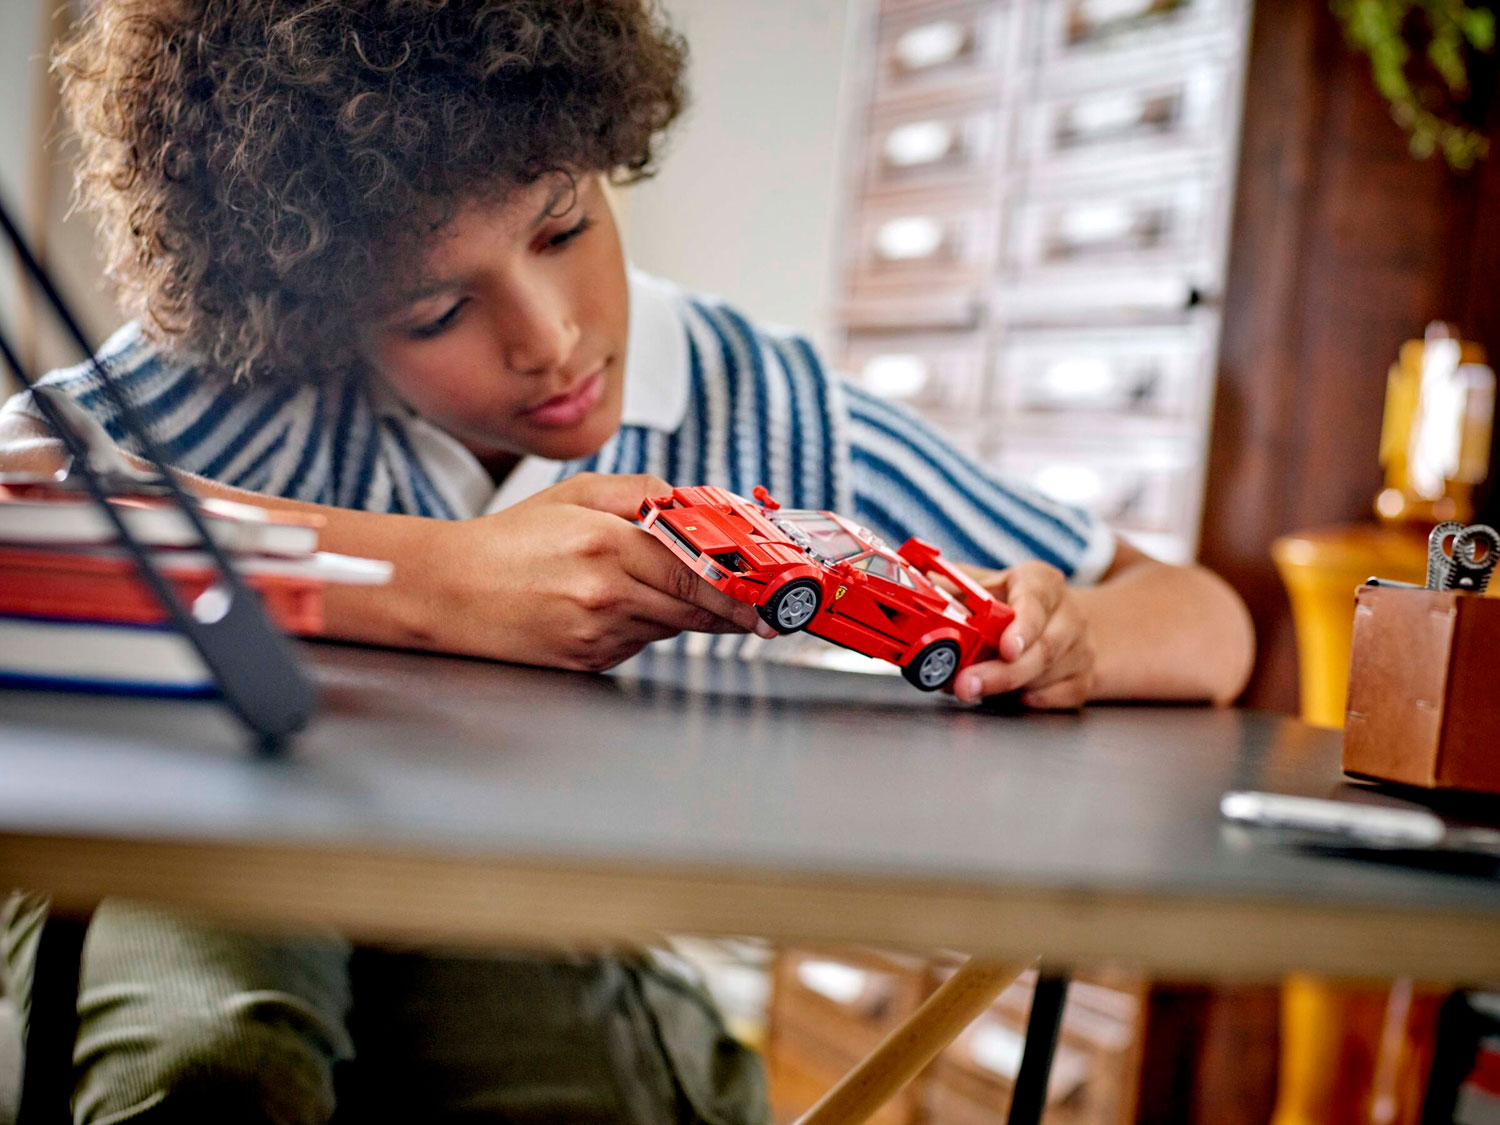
<point x="819" y="572"/>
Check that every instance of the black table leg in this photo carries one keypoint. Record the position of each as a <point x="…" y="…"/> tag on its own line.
<point x="1042" y="1025"/>
<point x="52" y="1025"/>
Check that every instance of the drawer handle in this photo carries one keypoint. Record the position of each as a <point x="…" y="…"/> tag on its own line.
<point x="865" y="995"/>
<point x="918" y="143"/>
<point x="1071" y="484"/>
<point x="832" y="980"/>
<point x="1108" y="226"/>
<point x="1145" y="389"/>
<point x="996" y="1048"/>
<point x="1077" y="380"/>
<point x="1087" y="226"/>
<point x="1086" y="487"/>
<point x="1083" y="381"/>
<point x="1117" y="115"/>
<point x="932" y="44"/>
<point x="909" y="238"/>
<point x="1091" y="19"/>
<point x="895" y="375"/>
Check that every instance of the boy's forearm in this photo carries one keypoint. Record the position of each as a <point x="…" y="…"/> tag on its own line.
<point x="395" y="614"/>
<point x="1167" y="632"/>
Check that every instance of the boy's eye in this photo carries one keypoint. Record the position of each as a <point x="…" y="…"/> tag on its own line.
<point x="440" y="324"/>
<point x="562" y="238"/>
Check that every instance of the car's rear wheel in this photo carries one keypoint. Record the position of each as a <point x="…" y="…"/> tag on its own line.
<point x="934" y="667"/>
<point x="792" y="606"/>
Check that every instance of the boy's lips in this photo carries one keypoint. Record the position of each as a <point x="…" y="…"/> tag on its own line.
<point x="564" y="410"/>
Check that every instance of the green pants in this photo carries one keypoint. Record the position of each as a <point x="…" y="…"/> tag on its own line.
<point x="183" y="1022"/>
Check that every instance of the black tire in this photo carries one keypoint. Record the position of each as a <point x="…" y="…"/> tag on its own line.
<point x="793" y="606"/>
<point x="934" y="667"/>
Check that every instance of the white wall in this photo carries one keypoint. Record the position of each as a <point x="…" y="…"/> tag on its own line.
<point x="18" y="34"/>
<point x="69" y="241"/>
<point x="745" y="202"/>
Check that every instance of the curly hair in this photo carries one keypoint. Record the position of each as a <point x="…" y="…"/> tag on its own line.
<point x="254" y="165"/>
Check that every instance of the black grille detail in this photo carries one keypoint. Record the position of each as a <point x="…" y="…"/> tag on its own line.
<point x="676" y="537"/>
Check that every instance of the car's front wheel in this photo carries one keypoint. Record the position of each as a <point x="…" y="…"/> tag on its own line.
<point x="934" y="667"/>
<point x="792" y="606"/>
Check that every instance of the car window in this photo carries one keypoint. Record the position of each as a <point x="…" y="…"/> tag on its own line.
<point x="881" y="567"/>
<point x="827" y="539"/>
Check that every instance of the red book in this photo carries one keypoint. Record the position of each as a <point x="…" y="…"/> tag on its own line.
<point x="105" y="586"/>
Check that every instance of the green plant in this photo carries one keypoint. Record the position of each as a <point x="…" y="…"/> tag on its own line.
<point x="1453" y="31"/>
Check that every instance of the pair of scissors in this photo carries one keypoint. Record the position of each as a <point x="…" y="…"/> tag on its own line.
<point x="1461" y="567"/>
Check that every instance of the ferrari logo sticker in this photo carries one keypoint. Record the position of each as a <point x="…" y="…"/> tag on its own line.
<point x="689" y="527"/>
<point x="839" y="593"/>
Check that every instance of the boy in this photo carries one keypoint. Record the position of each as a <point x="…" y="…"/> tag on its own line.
<point x="374" y="269"/>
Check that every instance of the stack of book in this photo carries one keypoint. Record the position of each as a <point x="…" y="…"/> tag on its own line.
<point x="75" y="613"/>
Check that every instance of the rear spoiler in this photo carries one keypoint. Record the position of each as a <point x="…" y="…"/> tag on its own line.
<point x="980" y="603"/>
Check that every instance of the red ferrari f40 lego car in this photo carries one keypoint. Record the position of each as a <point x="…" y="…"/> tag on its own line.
<point x="819" y="572"/>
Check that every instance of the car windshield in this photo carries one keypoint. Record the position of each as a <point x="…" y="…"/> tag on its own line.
<point x="821" y="535"/>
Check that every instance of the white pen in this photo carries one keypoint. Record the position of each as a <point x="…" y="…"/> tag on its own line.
<point x="1373" y="826"/>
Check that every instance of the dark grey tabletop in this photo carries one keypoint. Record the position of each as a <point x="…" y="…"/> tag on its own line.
<point x="689" y="779"/>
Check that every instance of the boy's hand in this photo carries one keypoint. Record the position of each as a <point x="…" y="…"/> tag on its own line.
<point x="1046" y="653"/>
<point x="566" y="579"/>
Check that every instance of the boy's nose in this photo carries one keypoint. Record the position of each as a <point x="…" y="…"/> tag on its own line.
<point x="540" y="345"/>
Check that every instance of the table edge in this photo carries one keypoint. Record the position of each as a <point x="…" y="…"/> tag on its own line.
<point x="477" y="901"/>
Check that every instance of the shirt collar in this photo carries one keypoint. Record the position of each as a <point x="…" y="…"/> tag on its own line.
<point x="655" y="397"/>
<point x="656" y="356"/>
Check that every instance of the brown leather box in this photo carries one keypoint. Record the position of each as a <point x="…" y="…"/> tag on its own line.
<point x="1424" y="689"/>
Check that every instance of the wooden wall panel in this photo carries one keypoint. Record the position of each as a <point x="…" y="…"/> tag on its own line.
<point x="1343" y="246"/>
<point x="1210" y="1055"/>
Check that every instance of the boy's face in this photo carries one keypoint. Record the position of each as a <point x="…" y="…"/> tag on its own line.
<point x="515" y="341"/>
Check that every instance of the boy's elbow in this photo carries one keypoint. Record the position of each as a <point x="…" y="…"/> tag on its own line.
<point x="1234" y="642"/>
<point x="27" y="446"/>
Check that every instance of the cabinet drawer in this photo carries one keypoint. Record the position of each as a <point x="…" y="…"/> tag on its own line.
<point x="949" y="145"/>
<point x="1163" y="222"/>
<point x="1162" y="373"/>
<point x="937" y="373"/>
<point x="1145" y="486"/>
<point x="922" y="248"/>
<point x="1076" y="131"/>
<point x="1083" y="28"/>
<point x="828" y="1011"/>
<point x="843" y="998"/>
<point x="955" y="47"/>
<point x="1092" y="1072"/>
<point x="800" y="1072"/>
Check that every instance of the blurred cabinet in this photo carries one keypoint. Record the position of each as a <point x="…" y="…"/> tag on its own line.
<point x="1038" y="205"/>
<point x="830" y="1009"/>
<point x="827" y="1012"/>
<point x="1093" y="1072"/>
